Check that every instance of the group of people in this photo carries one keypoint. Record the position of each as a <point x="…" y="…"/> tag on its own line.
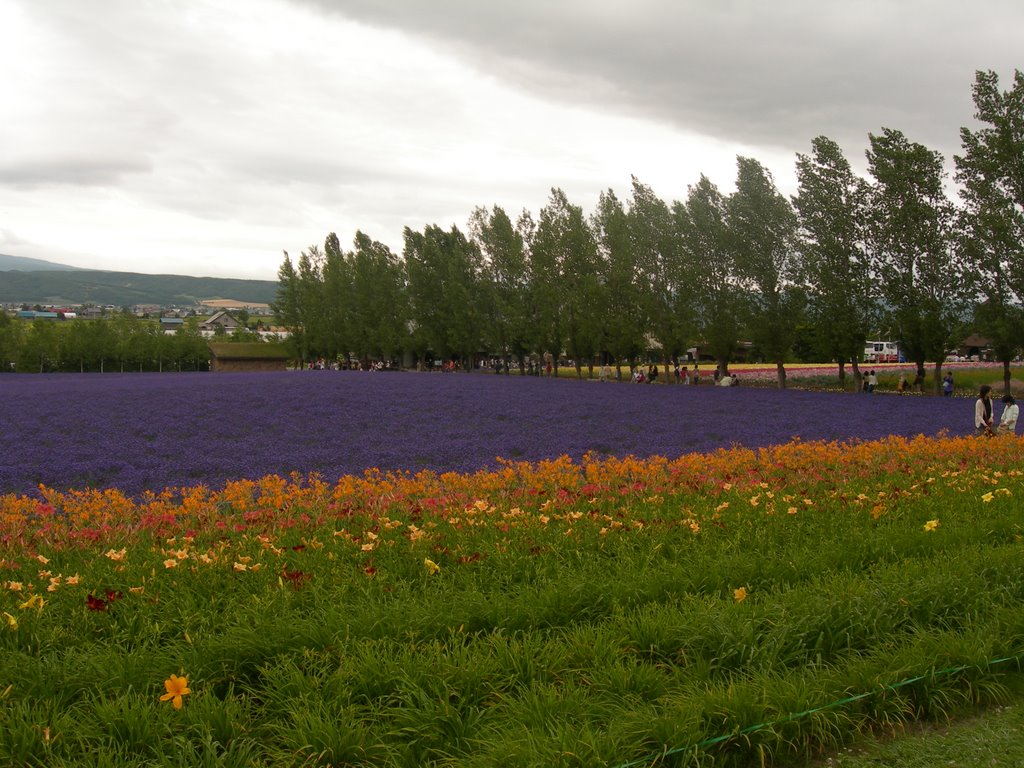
<point x="984" y="418"/>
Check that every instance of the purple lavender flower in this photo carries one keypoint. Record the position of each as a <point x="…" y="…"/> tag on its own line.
<point x="149" y="431"/>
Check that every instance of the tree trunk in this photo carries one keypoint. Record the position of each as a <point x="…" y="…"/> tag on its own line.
<point x="842" y="372"/>
<point x="723" y="367"/>
<point x="1006" y="377"/>
<point x="858" y="377"/>
<point x="938" y="378"/>
<point x="919" y="378"/>
<point x="781" y="371"/>
<point x="579" y="368"/>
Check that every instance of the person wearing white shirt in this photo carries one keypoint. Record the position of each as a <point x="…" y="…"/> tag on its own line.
<point x="983" y="411"/>
<point x="1008" y="419"/>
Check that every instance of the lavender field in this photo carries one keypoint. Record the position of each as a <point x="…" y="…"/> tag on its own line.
<point x="142" y="432"/>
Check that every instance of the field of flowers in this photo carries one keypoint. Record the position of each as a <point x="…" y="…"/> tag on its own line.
<point x="138" y="432"/>
<point x="749" y="605"/>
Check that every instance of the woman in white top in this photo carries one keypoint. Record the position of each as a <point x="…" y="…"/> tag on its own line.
<point x="1008" y="420"/>
<point x="983" y="411"/>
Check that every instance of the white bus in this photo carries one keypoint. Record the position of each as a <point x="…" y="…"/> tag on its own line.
<point x="881" y="352"/>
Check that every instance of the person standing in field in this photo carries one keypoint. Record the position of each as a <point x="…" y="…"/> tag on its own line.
<point x="1008" y="419"/>
<point x="947" y="384"/>
<point x="983" y="411"/>
<point x="872" y="382"/>
<point x="901" y="385"/>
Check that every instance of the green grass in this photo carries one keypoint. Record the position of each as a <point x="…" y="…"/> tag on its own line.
<point x="598" y="628"/>
<point x="983" y="740"/>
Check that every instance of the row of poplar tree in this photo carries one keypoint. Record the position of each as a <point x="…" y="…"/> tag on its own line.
<point x="118" y="342"/>
<point x="847" y="256"/>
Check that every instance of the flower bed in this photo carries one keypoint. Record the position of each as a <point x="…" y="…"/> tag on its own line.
<point x="721" y="608"/>
<point x="139" y="432"/>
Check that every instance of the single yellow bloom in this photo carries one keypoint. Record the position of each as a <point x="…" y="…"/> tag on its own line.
<point x="12" y="622"/>
<point x="739" y="594"/>
<point x="36" y="601"/>
<point x="931" y="525"/>
<point x="42" y="559"/>
<point x="431" y="566"/>
<point x="170" y="563"/>
<point x="987" y="498"/>
<point x="176" y="688"/>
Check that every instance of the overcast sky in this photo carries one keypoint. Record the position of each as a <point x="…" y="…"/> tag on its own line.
<point x="204" y="137"/>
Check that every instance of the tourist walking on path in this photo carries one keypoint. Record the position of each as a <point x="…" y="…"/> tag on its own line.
<point x="983" y="411"/>
<point x="1008" y="419"/>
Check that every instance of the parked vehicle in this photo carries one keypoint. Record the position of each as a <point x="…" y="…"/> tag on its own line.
<point x="881" y="352"/>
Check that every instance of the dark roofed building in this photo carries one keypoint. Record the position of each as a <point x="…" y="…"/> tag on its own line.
<point x="247" y="356"/>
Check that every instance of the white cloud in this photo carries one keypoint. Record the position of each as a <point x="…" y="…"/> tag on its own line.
<point x="205" y="136"/>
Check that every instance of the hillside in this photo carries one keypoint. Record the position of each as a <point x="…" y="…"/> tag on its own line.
<point x="126" y="288"/>
<point x="25" y="264"/>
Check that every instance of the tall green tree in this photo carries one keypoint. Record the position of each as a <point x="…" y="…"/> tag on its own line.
<point x="288" y="310"/>
<point x="443" y="274"/>
<point x="831" y="203"/>
<point x="339" y="333"/>
<point x="910" y="234"/>
<point x="990" y="173"/>
<point x="658" y="253"/>
<point x="10" y="342"/>
<point x="624" y="323"/>
<point x="379" y="314"/>
<point x="762" y="232"/>
<point x="565" y="246"/>
<point x="506" y="284"/>
<point x="719" y="297"/>
<point x="40" y="348"/>
<point x="312" y="301"/>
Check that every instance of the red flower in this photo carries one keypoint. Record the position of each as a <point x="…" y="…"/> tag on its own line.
<point x="94" y="603"/>
<point x="295" y="579"/>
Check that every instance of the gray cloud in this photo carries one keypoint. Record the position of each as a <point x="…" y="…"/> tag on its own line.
<point x="760" y="73"/>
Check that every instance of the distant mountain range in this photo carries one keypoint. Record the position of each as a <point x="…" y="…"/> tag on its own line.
<point x="34" y="281"/>
<point x="23" y="264"/>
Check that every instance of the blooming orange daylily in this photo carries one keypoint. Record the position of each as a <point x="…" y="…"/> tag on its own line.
<point x="176" y="688"/>
<point x="431" y="566"/>
<point x="931" y="525"/>
<point x="739" y="594"/>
